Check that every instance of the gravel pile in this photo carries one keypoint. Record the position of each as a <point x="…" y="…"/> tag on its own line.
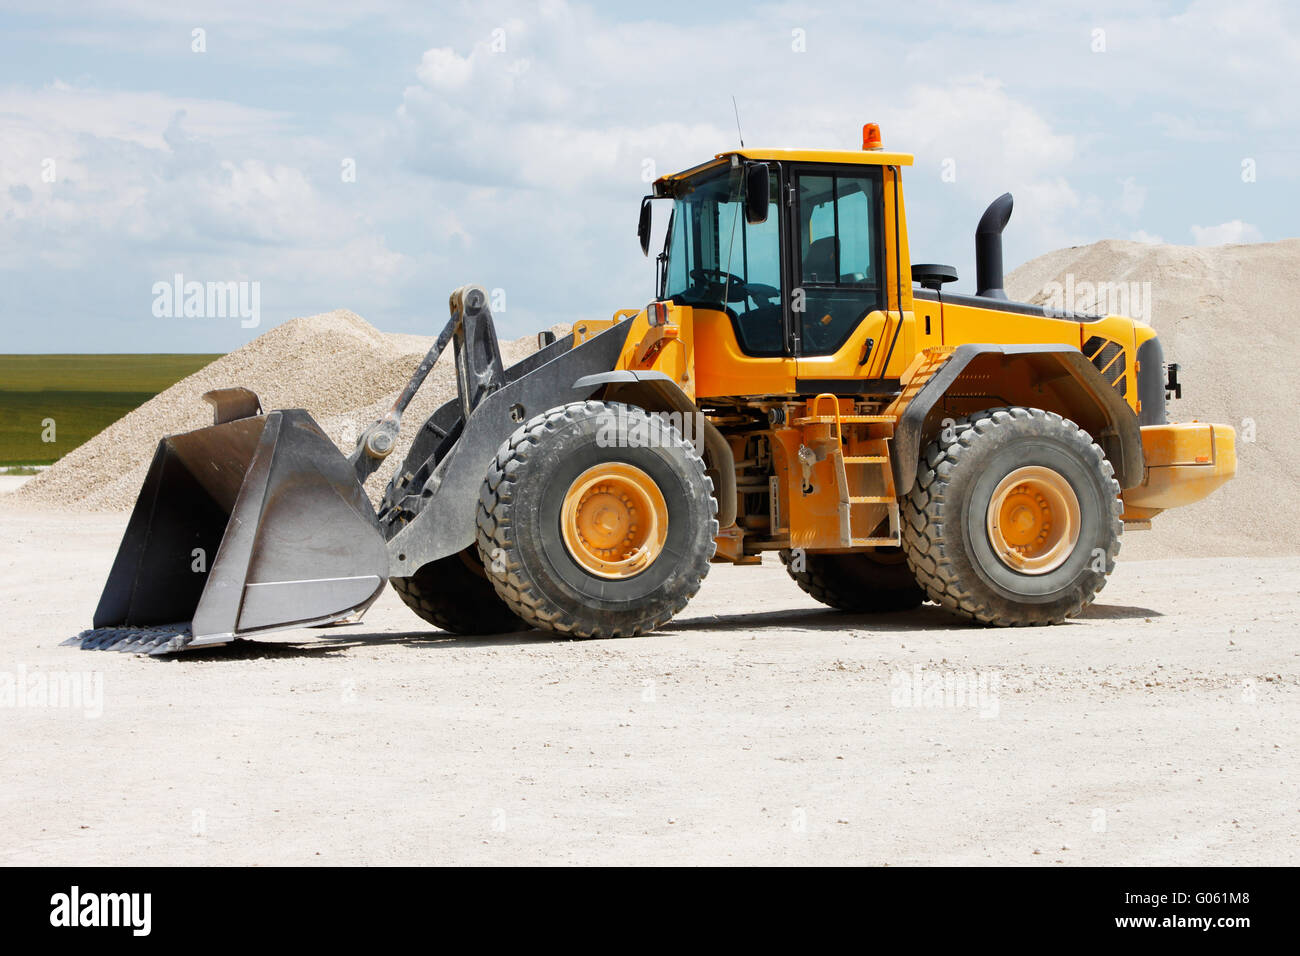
<point x="1223" y="314"/>
<point x="335" y="365"/>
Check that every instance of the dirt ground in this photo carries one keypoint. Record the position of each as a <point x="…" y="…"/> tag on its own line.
<point x="757" y="728"/>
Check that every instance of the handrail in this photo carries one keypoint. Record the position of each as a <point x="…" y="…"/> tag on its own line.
<point x="814" y="406"/>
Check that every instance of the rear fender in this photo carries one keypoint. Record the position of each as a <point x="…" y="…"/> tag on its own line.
<point x="1055" y="378"/>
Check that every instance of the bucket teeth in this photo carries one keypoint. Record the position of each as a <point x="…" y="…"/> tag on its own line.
<point x="164" y="639"/>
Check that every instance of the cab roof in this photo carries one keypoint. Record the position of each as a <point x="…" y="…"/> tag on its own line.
<point x="860" y="157"/>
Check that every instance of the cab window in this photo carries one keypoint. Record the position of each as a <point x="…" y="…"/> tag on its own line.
<point x="839" y="267"/>
<point x="718" y="260"/>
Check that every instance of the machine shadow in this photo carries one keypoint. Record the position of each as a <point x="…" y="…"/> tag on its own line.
<point x="1117" y="612"/>
<point x="928" y="618"/>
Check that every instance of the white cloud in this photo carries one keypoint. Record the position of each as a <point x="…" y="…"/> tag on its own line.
<point x="1132" y="196"/>
<point x="124" y="167"/>
<point x="1143" y="236"/>
<point x="1226" y="233"/>
<point x="312" y="34"/>
<point x="524" y="109"/>
<point x="140" y="117"/>
<point x="442" y="69"/>
<point x="1186" y="129"/>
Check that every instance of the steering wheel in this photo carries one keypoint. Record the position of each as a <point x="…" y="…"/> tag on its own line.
<point x="735" y="286"/>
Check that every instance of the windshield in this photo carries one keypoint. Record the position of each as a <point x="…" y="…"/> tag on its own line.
<point x="718" y="260"/>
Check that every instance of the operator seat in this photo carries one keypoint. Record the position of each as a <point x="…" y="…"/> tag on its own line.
<point x="819" y="263"/>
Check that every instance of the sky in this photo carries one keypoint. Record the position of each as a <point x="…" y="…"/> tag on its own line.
<point x="375" y="156"/>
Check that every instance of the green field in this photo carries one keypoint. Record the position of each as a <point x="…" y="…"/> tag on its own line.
<point x="84" y="394"/>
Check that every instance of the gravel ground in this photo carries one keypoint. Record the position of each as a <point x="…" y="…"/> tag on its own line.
<point x="757" y="728"/>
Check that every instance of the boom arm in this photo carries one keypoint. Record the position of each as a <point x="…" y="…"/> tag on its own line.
<point x="469" y="307"/>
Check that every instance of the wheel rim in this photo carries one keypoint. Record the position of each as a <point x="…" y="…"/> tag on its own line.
<point x="1033" y="520"/>
<point x="614" y="520"/>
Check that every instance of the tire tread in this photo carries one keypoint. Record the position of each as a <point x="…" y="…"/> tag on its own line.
<point x="496" y="537"/>
<point x="925" y="540"/>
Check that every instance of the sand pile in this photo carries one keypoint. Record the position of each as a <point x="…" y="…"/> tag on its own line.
<point x="335" y="365"/>
<point x="1224" y="315"/>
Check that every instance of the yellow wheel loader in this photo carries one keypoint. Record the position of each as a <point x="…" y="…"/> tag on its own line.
<point x="798" y="386"/>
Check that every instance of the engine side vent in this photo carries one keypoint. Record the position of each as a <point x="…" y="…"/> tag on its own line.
<point x="1108" y="357"/>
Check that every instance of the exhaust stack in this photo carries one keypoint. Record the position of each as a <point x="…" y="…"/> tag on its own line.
<point x="988" y="248"/>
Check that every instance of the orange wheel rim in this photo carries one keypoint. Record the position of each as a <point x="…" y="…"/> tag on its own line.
<point x="614" y="520"/>
<point x="1033" y="520"/>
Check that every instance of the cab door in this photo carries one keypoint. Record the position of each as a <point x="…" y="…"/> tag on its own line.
<point x="836" y="263"/>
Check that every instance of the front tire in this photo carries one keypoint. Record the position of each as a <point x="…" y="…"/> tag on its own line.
<point x="1014" y="518"/>
<point x="597" y="520"/>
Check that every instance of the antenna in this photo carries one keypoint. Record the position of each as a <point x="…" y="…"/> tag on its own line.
<point x="738" y="132"/>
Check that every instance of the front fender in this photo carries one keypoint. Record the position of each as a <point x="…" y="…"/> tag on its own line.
<point x="446" y="522"/>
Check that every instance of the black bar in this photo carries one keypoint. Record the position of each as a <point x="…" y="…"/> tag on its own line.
<point x="1048" y="903"/>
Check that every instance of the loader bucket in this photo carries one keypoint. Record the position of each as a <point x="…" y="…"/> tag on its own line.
<point x="249" y="525"/>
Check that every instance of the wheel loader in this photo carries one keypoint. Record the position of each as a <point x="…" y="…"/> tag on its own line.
<point x="798" y="385"/>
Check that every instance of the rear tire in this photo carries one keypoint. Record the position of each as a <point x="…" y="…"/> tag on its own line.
<point x="970" y="509"/>
<point x="454" y="593"/>
<point x="861" y="582"/>
<point x="551" y="529"/>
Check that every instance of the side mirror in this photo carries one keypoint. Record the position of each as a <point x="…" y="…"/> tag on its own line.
<point x="544" y="338"/>
<point x="643" y="226"/>
<point x="757" y="185"/>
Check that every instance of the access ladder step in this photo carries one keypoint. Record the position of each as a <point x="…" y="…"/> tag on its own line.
<point x="846" y="419"/>
<point x="873" y="542"/>
<point x="865" y="459"/>
<point x="871" y="500"/>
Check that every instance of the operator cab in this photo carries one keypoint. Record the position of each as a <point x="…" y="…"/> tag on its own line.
<point x="796" y="269"/>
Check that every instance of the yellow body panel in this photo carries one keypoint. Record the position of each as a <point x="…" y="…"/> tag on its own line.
<point x="709" y="348"/>
<point x="858" y="157"/>
<point x="898" y="259"/>
<point x="866" y="157"/>
<point x="667" y="348"/>
<point x="962" y="324"/>
<point x="589" y="328"/>
<point x="721" y="368"/>
<point x="845" y="363"/>
<point x="1184" y="463"/>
